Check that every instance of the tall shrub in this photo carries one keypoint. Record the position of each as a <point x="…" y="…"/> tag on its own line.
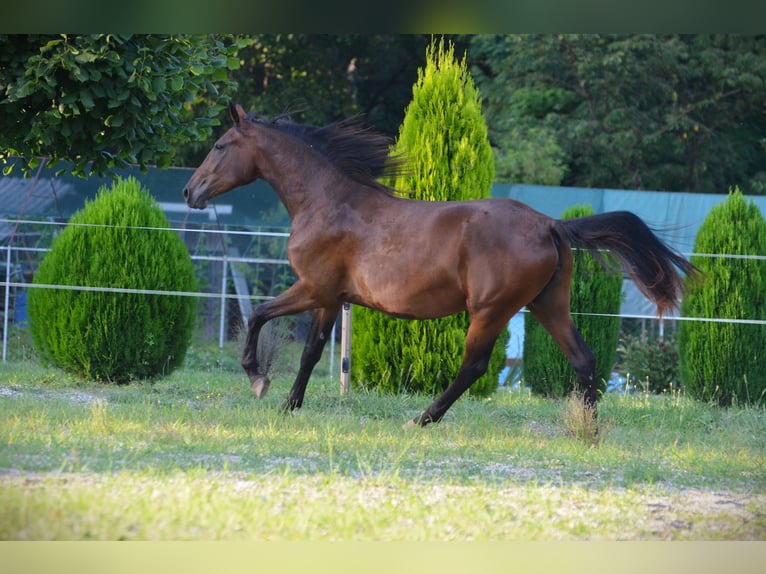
<point x="116" y="241"/>
<point x="724" y="362"/>
<point x="445" y="137"/>
<point x="594" y="289"/>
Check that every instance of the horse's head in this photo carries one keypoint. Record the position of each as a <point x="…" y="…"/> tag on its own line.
<point x="228" y="165"/>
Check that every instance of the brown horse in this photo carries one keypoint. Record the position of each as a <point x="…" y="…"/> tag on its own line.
<point x="353" y="240"/>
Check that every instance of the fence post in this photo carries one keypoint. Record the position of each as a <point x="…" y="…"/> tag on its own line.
<point x="7" y="299"/>
<point x="222" y="324"/>
<point x="345" y="348"/>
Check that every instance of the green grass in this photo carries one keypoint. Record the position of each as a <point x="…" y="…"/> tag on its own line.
<point x="196" y="456"/>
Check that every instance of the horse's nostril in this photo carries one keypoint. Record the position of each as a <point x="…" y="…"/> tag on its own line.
<point x="186" y="193"/>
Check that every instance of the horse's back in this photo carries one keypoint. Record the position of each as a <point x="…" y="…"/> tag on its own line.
<point x="477" y="251"/>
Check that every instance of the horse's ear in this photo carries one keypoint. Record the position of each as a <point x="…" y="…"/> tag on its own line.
<point x="236" y="112"/>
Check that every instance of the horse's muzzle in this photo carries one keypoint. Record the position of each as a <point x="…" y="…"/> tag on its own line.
<point x="192" y="201"/>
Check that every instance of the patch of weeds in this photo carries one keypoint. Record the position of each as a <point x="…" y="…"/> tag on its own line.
<point x="209" y="357"/>
<point x="100" y="417"/>
<point x="653" y="361"/>
<point x="580" y="420"/>
<point x="641" y="471"/>
<point x="209" y="396"/>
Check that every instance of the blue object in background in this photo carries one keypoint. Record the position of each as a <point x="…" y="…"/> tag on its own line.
<point x="20" y="309"/>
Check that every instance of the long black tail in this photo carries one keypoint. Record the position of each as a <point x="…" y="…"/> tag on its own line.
<point x="652" y="265"/>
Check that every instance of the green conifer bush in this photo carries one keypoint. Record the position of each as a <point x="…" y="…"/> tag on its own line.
<point x="726" y="362"/>
<point x="119" y="240"/>
<point x="594" y="289"/>
<point x="444" y="135"/>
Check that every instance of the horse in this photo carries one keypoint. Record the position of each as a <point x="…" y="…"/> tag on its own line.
<point x="355" y="240"/>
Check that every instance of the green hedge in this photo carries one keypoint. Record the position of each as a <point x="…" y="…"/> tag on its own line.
<point x="109" y="336"/>
<point x="726" y="362"/>
<point x="594" y="290"/>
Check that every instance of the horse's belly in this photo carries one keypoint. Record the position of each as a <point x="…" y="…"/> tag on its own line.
<point x="413" y="296"/>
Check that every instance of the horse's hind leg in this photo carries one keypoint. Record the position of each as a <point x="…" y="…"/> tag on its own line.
<point x="482" y="333"/>
<point x="551" y="308"/>
<point x="320" y="331"/>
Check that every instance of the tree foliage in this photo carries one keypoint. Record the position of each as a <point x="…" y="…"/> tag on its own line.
<point x="116" y="241"/>
<point x="324" y="78"/>
<point x="724" y="362"/>
<point x="445" y="138"/>
<point x="594" y="289"/>
<point x="106" y="100"/>
<point x="321" y="78"/>
<point x="663" y="112"/>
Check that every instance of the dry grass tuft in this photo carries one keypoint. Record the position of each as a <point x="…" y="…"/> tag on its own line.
<point x="580" y="420"/>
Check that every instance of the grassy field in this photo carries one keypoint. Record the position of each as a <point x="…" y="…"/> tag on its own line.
<point x="196" y="457"/>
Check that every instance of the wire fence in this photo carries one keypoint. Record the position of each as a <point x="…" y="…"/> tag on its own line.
<point x="224" y="257"/>
<point x="20" y="262"/>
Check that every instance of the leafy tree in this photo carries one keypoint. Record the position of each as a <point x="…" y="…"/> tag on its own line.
<point x="320" y="78"/>
<point x="666" y="112"/>
<point x="445" y="138"/>
<point x="594" y="289"/>
<point x="103" y="101"/>
<point x="720" y="361"/>
<point x="116" y="241"/>
<point x="323" y="78"/>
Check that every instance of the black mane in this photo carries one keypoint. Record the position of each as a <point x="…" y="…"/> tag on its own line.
<point x="354" y="148"/>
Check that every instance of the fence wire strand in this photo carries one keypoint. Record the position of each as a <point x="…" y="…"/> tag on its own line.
<point x="225" y="259"/>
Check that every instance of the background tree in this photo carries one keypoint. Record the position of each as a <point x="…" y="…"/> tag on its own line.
<point x="662" y="112"/>
<point x="321" y="78"/>
<point x="594" y="289"/>
<point x="445" y="138"/>
<point x="103" y="101"/>
<point x="724" y="362"/>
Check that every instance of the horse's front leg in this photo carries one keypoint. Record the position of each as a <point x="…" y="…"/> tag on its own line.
<point x="294" y="300"/>
<point x="259" y="381"/>
<point x="320" y="331"/>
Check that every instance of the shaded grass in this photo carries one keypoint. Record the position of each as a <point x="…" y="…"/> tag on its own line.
<point x="283" y="506"/>
<point x="196" y="456"/>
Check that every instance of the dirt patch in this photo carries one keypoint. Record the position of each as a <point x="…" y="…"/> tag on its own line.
<point x="690" y="511"/>
<point x="75" y="397"/>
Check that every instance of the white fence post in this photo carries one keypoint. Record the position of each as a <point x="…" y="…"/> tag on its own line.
<point x="7" y="300"/>
<point x="222" y="324"/>
<point x="345" y="346"/>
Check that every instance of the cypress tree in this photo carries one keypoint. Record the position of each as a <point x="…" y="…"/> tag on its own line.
<point x="444" y="136"/>
<point x="594" y="289"/>
<point x="116" y="241"/>
<point x="726" y="362"/>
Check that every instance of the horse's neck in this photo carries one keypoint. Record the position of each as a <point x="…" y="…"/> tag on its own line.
<point x="302" y="178"/>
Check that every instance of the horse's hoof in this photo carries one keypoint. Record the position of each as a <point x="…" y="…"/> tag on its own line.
<point x="289" y="407"/>
<point x="259" y="384"/>
<point x="411" y="424"/>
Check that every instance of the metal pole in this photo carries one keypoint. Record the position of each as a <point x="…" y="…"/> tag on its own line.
<point x="345" y="348"/>
<point x="222" y="327"/>
<point x="7" y="300"/>
<point x="332" y="352"/>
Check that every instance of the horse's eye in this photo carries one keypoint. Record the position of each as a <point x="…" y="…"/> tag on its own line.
<point x="219" y="146"/>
